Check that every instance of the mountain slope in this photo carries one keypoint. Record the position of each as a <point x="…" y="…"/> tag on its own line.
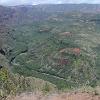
<point x="56" y="43"/>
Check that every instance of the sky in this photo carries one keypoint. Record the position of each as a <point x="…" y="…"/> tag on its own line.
<point x="34" y="2"/>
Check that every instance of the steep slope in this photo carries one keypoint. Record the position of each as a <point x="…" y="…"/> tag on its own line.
<point x="56" y="43"/>
<point x="12" y="84"/>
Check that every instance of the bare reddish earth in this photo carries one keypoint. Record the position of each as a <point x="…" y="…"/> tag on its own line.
<point x="65" y="96"/>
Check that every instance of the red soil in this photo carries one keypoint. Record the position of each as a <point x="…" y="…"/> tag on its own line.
<point x="74" y="50"/>
<point x="65" y="96"/>
<point x="66" y="34"/>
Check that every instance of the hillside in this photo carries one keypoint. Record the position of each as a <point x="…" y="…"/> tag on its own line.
<point x="57" y="44"/>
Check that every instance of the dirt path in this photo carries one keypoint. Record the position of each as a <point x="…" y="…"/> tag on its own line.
<point x="65" y="96"/>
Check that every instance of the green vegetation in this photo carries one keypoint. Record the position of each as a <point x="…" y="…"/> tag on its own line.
<point x="11" y="84"/>
<point x="60" y="51"/>
<point x="63" y="49"/>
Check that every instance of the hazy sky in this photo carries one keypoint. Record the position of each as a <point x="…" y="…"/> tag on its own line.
<point x="23" y="2"/>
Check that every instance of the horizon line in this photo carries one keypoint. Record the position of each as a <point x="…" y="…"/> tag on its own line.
<point x="50" y="4"/>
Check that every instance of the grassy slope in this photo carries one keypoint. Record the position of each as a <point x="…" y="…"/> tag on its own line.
<point x="12" y="84"/>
